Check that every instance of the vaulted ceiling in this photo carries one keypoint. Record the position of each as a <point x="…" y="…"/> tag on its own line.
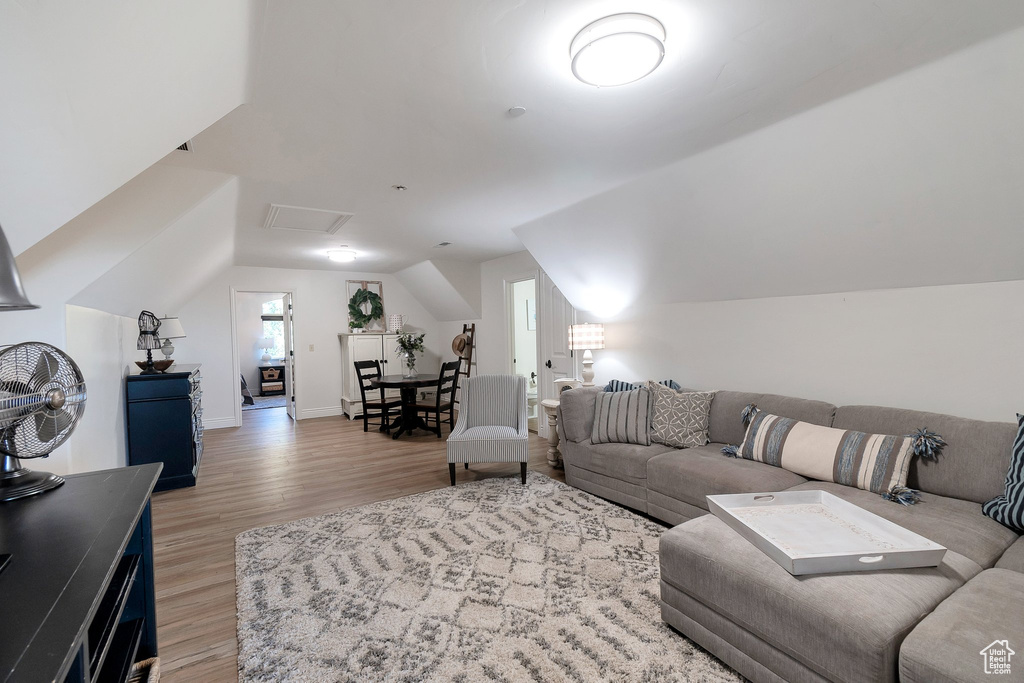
<point x="328" y="105"/>
<point x="352" y="98"/>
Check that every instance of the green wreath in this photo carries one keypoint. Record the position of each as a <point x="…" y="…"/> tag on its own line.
<point x="355" y="308"/>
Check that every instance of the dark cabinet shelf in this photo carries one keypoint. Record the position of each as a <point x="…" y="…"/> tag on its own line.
<point x="78" y="597"/>
<point x="111" y="608"/>
<point x="272" y="378"/>
<point x="165" y="423"/>
<point x="125" y="647"/>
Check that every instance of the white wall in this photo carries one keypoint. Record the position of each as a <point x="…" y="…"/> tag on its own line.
<point x="321" y="312"/>
<point x="102" y="345"/>
<point x="910" y="182"/>
<point x="249" y="333"/>
<point x="493" y="341"/>
<point x="97" y="92"/>
<point x="951" y="349"/>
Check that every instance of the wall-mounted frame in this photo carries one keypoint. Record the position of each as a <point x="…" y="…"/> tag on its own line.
<point x="531" y="314"/>
<point x="365" y="301"/>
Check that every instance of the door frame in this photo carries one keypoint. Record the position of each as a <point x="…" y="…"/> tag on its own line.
<point x="510" y="330"/>
<point x="236" y="365"/>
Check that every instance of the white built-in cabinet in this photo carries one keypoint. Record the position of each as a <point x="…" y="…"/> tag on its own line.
<point x="366" y="346"/>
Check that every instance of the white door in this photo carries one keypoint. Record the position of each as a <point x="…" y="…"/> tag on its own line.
<point x="554" y="315"/>
<point x="289" y="357"/>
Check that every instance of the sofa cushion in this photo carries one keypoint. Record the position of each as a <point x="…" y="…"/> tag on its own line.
<point x="626" y="461"/>
<point x="956" y="524"/>
<point x="972" y="465"/>
<point x="1008" y="509"/>
<point x="679" y="418"/>
<point x="576" y="412"/>
<point x="873" y="462"/>
<point x="948" y="644"/>
<point x="1013" y="558"/>
<point x="726" y="426"/>
<point x="623" y="417"/>
<point x="690" y="475"/>
<point x="845" y="627"/>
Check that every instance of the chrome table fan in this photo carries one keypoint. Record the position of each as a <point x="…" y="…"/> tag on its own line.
<point x="42" y="398"/>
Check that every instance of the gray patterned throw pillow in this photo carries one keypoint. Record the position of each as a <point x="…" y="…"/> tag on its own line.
<point x="679" y="419"/>
<point x="623" y="417"/>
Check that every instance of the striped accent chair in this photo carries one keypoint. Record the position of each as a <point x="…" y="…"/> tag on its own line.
<point x="492" y="423"/>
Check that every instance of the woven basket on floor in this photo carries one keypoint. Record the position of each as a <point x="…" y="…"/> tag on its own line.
<point x="146" y="671"/>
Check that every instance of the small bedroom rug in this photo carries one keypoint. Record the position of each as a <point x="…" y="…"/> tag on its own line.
<point x="488" y="580"/>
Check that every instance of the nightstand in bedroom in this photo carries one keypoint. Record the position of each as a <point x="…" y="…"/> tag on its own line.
<point x="272" y="379"/>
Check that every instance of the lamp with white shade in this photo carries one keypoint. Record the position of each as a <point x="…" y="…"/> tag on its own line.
<point x="170" y="328"/>
<point x="584" y="337"/>
<point x="267" y="344"/>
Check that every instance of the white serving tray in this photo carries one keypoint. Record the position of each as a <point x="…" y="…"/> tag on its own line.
<point x="814" y="532"/>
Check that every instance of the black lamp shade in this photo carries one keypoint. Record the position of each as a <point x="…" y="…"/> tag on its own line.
<point x="12" y="294"/>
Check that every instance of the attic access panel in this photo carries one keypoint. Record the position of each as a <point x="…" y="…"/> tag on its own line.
<point x="305" y="219"/>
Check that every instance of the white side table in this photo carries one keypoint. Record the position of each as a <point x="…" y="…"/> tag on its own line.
<point x="550" y="406"/>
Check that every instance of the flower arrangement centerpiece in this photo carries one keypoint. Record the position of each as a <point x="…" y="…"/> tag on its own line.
<point x="409" y="345"/>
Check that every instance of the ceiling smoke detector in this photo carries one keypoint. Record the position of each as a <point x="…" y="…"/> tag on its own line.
<point x="618" y="49"/>
<point x="516" y="111"/>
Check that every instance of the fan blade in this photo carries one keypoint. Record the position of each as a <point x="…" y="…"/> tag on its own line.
<point x="16" y="407"/>
<point x="46" y="368"/>
<point x="49" y="426"/>
<point x="75" y="394"/>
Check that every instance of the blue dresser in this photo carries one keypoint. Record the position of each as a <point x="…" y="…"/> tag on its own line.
<point x="165" y="423"/>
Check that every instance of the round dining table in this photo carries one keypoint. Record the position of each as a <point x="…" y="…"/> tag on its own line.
<point x="410" y="418"/>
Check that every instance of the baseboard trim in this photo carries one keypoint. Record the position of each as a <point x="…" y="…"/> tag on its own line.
<point x="218" y="422"/>
<point x="330" y="411"/>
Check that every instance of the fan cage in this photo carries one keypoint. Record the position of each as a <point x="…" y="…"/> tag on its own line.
<point x="33" y="419"/>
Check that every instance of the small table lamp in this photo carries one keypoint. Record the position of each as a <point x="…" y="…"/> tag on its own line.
<point x="170" y="328"/>
<point x="267" y="344"/>
<point x="585" y="337"/>
<point x="149" y="324"/>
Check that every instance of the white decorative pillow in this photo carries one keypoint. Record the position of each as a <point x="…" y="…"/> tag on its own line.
<point x="623" y="417"/>
<point x="679" y="419"/>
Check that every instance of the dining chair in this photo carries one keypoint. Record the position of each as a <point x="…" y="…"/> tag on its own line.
<point x="367" y="371"/>
<point x="492" y="424"/>
<point x="444" y="397"/>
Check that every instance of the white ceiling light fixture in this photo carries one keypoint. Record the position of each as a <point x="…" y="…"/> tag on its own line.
<point x="618" y="49"/>
<point x="342" y="255"/>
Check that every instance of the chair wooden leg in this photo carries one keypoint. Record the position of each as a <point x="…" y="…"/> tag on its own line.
<point x="467" y="465"/>
<point x="522" y="471"/>
<point x="366" y="421"/>
<point x="451" y="471"/>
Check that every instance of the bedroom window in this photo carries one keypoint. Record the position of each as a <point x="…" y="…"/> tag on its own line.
<point x="273" y="326"/>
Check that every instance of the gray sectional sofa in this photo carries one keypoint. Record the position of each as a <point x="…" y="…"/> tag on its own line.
<point x="928" y="624"/>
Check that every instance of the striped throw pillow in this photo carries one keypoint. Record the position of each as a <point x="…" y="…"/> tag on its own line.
<point x="873" y="462"/>
<point x="623" y="417"/>
<point x="1008" y="509"/>
<point x="619" y="385"/>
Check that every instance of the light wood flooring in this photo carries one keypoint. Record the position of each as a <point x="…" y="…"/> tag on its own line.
<point x="268" y="471"/>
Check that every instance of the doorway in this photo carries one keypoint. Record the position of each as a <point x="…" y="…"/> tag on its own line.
<point x="523" y="326"/>
<point x="263" y="343"/>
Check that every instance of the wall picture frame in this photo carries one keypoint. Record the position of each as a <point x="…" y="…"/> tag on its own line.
<point x="531" y="314"/>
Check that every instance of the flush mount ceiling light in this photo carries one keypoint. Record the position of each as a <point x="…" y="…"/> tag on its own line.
<point x="617" y="49"/>
<point x="341" y="255"/>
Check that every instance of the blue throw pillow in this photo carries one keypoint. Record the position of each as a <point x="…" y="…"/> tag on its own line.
<point x="1008" y="509"/>
<point x="619" y="385"/>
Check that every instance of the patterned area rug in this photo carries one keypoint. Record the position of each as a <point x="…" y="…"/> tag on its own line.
<point x="486" y="581"/>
